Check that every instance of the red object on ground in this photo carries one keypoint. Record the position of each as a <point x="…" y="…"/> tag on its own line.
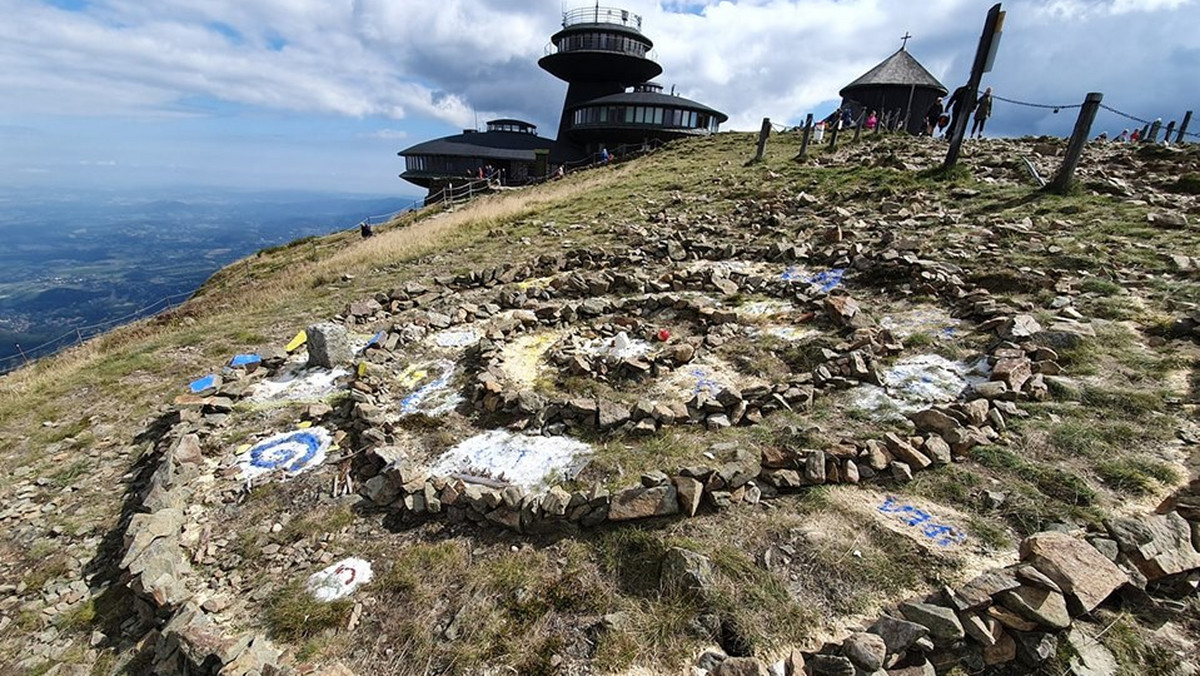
<point x="664" y="335"/>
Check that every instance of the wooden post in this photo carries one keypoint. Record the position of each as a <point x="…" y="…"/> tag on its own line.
<point x="858" y="125"/>
<point x="808" y="127"/>
<point x="762" y="140"/>
<point x="1079" y="138"/>
<point x="1145" y="135"/>
<point x="1167" y="134"/>
<point x="1155" y="127"/>
<point x="1187" y="119"/>
<point x="23" y="355"/>
<point x="834" y="134"/>
<point x="78" y="335"/>
<point x="991" y="30"/>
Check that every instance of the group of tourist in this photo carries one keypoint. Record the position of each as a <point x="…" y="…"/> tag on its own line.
<point x="943" y="116"/>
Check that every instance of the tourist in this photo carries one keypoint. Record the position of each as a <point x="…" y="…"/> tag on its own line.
<point x="932" y="115"/>
<point x="1135" y="136"/>
<point x="605" y="158"/>
<point x="872" y="121"/>
<point x="983" y="110"/>
<point x="956" y="106"/>
<point x="365" y="230"/>
<point x="1123" y="137"/>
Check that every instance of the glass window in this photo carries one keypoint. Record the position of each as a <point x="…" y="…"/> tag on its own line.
<point x="629" y="114"/>
<point x="658" y="113"/>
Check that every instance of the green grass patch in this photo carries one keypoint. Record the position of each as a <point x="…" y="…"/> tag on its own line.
<point x="1136" y="476"/>
<point x="292" y="614"/>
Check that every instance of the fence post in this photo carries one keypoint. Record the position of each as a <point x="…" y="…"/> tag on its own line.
<point x="1167" y="134"/>
<point x="1145" y="135"/>
<point x="808" y="126"/>
<point x="1079" y="138"/>
<point x="858" y="125"/>
<point x="1187" y="119"/>
<point x="1155" y="127"/>
<point x="762" y="140"/>
<point x="833" y="134"/>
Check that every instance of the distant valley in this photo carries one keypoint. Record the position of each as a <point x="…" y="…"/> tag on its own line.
<point x="71" y="264"/>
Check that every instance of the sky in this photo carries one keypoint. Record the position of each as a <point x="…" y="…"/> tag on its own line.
<point x="321" y="94"/>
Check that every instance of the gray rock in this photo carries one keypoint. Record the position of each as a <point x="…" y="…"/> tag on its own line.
<point x="380" y="490"/>
<point x="741" y="468"/>
<point x="1019" y="328"/>
<point x="866" y="651"/>
<point x="1090" y="657"/>
<point x="898" y="635"/>
<point x="685" y="571"/>
<point x="1047" y="608"/>
<point x="1033" y="648"/>
<point x="1159" y="545"/>
<point x="740" y="666"/>
<point x="328" y="345"/>
<point x="689" y="491"/>
<point x="933" y="420"/>
<point x="830" y="665"/>
<point x="641" y="503"/>
<point x="943" y="624"/>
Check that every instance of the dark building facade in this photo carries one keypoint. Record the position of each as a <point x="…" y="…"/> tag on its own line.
<point x="510" y="147"/>
<point x="899" y="85"/>
<point x="608" y="65"/>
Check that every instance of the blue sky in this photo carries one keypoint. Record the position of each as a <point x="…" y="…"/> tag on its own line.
<point x="320" y="95"/>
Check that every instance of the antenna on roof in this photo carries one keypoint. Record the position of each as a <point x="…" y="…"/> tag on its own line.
<point x="905" y="38"/>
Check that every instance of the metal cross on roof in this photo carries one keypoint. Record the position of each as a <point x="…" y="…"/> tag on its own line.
<point x="906" y="37"/>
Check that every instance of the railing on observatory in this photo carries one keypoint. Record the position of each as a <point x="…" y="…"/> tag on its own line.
<point x="598" y="14"/>
<point x="601" y="42"/>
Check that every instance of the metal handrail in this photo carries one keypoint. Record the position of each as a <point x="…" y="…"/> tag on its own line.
<point x="598" y="14"/>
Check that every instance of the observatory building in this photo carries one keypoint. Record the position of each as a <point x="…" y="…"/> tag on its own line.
<point x="608" y="65"/>
<point x="899" y="84"/>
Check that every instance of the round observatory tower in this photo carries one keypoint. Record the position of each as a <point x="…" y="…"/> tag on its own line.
<point x="607" y="63"/>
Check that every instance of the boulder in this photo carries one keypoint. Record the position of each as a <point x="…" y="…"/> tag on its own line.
<point x="685" y="571"/>
<point x="1047" y="608"/>
<point x="1159" y="545"/>
<point x="1081" y="571"/>
<point x="328" y="345"/>
<point x="642" y="503"/>
<point x="1089" y="656"/>
<point x="898" y="635"/>
<point x="866" y="651"/>
<point x="943" y="624"/>
<point x="689" y="491"/>
<point x="740" y="666"/>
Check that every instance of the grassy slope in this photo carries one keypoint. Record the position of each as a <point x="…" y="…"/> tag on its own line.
<point x="70" y="423"/>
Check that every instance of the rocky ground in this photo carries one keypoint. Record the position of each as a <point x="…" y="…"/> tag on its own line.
<point x="843" y="415"/>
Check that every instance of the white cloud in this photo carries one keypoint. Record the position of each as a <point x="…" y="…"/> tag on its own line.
<point x="397" y="68"/>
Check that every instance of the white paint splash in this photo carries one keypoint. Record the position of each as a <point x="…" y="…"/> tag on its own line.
<point x="431" y="386"/>
<point x="917" y="382"/>
<point x="518" y="459"/>
<point x="620" y="346"/>
<point x="339" y="580"/>
<point x="456" y="337"/>
<point x="298" y="384"/>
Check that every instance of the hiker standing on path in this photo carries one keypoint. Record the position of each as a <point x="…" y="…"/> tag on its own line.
<point x="956" y="106"/>
<point x="983" y="110"/>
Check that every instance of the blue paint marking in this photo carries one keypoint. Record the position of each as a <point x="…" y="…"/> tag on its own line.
<point x="825" y="281"/>
<point x="942" y="535"/>
<point x="207" y="382"/>
<point x="703" y="381"/>
<point x="245" y="360"/>
<point x="375" y="339"/>
<point x="412" y="403"/>
<point x="291" y="453"/>
<point x="828" y="280"/>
